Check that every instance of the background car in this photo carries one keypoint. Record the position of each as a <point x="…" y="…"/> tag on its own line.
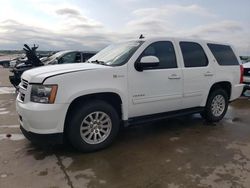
<point x="5" y="63"/>
<point x="246" y="78"/>
<point x="61" y="57"/>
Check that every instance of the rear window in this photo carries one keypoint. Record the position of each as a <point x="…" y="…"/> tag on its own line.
<point x="223" y="54"/>
<point x="193" y="54"/>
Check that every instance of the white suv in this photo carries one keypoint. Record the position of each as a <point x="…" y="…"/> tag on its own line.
<point x="127" y="83"/>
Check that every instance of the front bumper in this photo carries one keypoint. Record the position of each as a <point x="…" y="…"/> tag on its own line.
<point x="41" y="119"/>
<point x="56" y="138"/>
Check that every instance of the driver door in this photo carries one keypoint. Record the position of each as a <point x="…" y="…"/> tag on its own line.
<point x="156" y="89"/>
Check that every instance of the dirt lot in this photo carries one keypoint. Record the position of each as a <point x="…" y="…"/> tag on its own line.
<point x="181" y="152"/>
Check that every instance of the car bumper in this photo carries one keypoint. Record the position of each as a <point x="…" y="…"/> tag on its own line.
<point x="45" y="120"/>
<point x="236" y="91"/>
<point x="56" y="138"/>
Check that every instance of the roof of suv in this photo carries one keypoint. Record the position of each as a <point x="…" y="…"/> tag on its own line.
<point x="182" y="39"/>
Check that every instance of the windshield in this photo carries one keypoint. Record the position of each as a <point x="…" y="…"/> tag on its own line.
<point x="116" y="54"/>
<point x="53" y="57"/>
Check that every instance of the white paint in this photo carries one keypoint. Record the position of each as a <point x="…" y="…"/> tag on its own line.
<point x="3" y="175"/>
<point x="179" y="150"/>
<point x="7" y="90"/>
<point x="14" y="137"/>
<point x="172" y="139"/>
<point x="67" y="161"/>
<point x="102" y="182"/>
<point x="4" y="112"/>
<point x="173" y="185"/>
<point x="142" y="93"/>
<point x="168" y="160"/>
<point x="9" y="126"/>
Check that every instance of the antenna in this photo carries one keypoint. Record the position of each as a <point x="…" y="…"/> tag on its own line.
<point x="141" y="36"/>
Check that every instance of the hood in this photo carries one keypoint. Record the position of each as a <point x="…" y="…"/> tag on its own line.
<point x="22" y="65"/>
<point x="246" y="65"/>
<point x="37" y="75"/>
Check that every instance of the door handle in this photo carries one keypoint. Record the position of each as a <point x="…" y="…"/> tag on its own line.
<point x="174" y="76"/>
<point x="208" y="73"/>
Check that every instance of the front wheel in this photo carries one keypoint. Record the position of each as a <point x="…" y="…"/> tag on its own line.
<point x="93" y="126"/>
<point x="216" y="106"/>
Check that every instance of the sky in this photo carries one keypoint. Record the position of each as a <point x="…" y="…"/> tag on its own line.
<point x="94" y="24"/>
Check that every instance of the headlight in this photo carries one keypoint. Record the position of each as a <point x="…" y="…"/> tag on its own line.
<point x="43" y="93"/>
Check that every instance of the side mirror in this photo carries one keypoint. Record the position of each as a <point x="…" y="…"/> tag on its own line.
<point x="147" y="61"/>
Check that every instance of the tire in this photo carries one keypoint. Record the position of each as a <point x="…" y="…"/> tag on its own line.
<point x="216" y="107"/>
<point x="104" y="125"/>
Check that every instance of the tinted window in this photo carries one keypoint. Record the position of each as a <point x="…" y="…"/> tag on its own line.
<point x="86" y="56"/>
<point x="68" y="58"/>
<point x="164" y="51"/>
<point x="223" y="54"/>
<point x="78" y="58"/>
<point x="193" y="54"/>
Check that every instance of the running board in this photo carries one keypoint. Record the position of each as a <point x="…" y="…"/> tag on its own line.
<point x="161" y="116"/>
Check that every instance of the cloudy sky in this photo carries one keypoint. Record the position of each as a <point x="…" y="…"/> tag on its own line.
<point x="93" y="24"/>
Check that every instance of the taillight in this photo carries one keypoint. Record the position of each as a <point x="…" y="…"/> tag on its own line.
<point x="241" y="73"/>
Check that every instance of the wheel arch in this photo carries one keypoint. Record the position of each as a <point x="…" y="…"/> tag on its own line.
<point x="112" y="98"/>
<point x="226" y="85"/>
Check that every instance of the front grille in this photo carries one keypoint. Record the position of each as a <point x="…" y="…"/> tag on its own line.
<point x="25" y="84"/>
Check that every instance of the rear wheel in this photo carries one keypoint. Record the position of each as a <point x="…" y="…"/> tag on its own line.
<point x="216" y="106"/>
<point x="93" y="126"/>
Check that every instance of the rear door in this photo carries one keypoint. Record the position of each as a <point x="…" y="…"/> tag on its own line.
<point x="198" y="73"/>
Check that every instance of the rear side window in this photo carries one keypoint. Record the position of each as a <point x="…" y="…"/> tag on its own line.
<point x="87" y="56"/>
<point x="223" y="54"/>
<point x="164" y="50"/>
<point x="193" y="54"/>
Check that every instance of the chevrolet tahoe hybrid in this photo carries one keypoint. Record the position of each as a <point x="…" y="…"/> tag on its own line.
<point x="127" y="83"/>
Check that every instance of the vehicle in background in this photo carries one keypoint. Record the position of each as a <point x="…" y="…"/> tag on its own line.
<point x="15" y="61"/>
<point x="5" y="63"/>
<point x="127" y="83"/>
<point x="62" y="57"/>
<point x="246" y="78"/>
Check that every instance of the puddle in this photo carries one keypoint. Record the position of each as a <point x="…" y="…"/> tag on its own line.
<point x="7" y="90"/>
<point x="13" y="137"/>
